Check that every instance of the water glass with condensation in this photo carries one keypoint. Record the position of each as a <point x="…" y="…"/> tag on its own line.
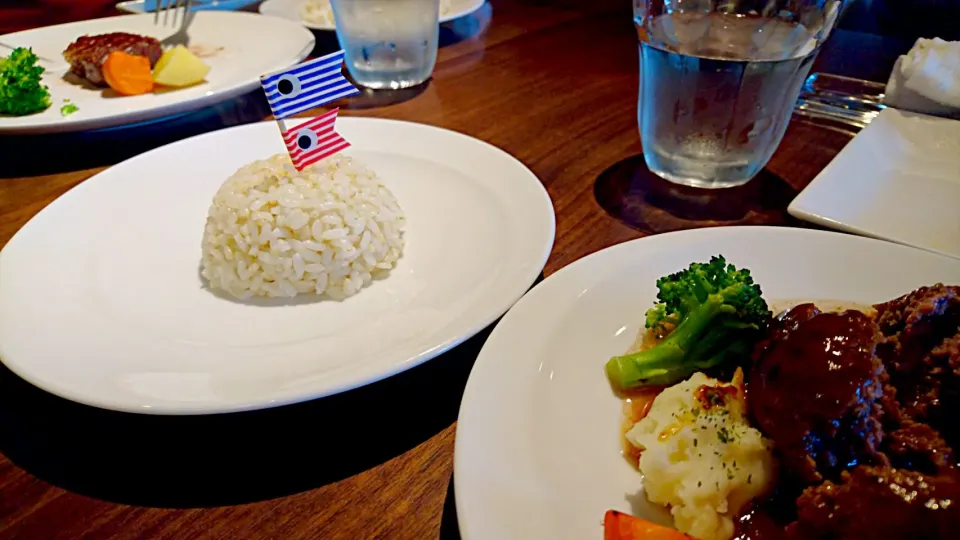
<point x="388" y="43"/>
<point x="719" y="81"/>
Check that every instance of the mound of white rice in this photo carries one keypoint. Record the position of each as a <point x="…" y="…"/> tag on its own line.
<point x="701" y="457"/>
<point x="276" y="232"/>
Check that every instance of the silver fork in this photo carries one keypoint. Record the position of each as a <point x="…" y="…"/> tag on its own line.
<point x="180" y="10"/>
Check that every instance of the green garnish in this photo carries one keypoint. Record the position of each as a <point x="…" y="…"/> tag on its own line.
<point x="68" y="108"/>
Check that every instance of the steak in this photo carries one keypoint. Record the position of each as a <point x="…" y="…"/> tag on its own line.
<point x="87" y="54"/>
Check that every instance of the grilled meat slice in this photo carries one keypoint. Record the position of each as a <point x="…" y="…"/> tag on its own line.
<point x="87" y="54"/>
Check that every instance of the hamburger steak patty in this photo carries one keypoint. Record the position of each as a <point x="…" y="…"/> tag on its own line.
<point x="87" y="54"/>
<point x="816" y="389"/>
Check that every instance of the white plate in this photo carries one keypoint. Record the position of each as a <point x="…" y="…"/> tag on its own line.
<point x="290" y="10"/>
<point x="243" y="45"/>
<point x="898" y="179"/>
<point x="537" y="448"/>
<point x="141" y="6"/>
<point x="101" y="301"/>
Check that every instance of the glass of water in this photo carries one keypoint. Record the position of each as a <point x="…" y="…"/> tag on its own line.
<point x="388" y="43"/>
<point x="719" y="80"/>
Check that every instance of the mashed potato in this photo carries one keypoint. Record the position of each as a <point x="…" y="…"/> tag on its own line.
<point x="700" y="457"/>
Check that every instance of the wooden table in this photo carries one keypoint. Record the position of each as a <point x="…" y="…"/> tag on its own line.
<point x="553" y="84"/>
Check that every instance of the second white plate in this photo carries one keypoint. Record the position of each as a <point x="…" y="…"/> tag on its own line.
<point x="101" y="301"/>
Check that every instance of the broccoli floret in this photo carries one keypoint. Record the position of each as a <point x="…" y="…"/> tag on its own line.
<point x="712" y="312"/>
<point x="21" y="91"/>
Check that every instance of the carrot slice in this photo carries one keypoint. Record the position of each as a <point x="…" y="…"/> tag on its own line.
<point x="620" y="526"/>
<point x="128" y="74"/>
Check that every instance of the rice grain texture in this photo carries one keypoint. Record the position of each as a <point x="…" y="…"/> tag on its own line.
<point x="273" y="231"/>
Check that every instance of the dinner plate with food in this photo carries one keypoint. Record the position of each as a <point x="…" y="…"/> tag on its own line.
<point x="750" y="383"/>
<point x="119" y="70"/>
<point x="318" y="14"/>
<point x="211" y="275"/>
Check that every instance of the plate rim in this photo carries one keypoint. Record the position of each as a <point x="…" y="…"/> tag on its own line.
<point x="136" y="6"/>
<point x="802" y="208"/>
<point x="326" y="28"/>
<point x="123" y="118"/>
<point x="523" y="286"/>
<point x="472" y="394"/>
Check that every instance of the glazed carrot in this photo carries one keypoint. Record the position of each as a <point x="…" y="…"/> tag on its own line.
<point x="128" y="74"/>
<point x="620" y="526"/>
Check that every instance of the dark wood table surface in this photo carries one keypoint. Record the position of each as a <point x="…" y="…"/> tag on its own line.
<point x="552" y="82"/>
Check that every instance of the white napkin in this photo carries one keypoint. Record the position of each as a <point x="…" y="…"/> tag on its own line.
<point x="927" y="79"/>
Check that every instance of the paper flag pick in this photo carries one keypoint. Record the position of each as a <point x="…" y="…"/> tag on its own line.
<point x="307" y="85"/>
<point x="310" y="142"/>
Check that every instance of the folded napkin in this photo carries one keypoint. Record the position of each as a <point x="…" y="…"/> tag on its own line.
<point x="927" y="79"/>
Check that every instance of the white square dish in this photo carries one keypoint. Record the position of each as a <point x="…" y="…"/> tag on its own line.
<point x="898" y="180"/>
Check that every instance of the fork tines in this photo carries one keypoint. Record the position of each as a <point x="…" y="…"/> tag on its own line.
<point x="168" y="6"/>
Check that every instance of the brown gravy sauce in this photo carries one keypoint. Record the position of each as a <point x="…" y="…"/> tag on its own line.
<point x="636" y="405"/>
<point x="825" y="305"/>
<point x="637" y="402"/>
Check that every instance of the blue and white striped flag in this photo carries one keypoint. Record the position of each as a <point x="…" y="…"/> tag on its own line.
<point x="307" y="85"/>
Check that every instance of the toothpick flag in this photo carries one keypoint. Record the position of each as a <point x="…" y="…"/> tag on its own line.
<point x="310" y="142"/>
<point x="304" y="87"/>
<point x="307" y="85"/>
